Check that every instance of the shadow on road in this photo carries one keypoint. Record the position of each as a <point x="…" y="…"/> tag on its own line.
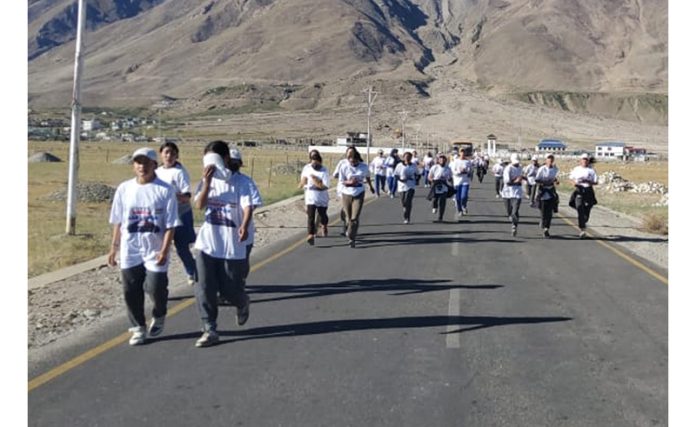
<point x="469" y="323"/>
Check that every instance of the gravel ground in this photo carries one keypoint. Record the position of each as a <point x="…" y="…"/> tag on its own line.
<point x="67" y="306"/>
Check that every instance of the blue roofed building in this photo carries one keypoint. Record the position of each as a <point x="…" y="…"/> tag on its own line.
<point x="551" y="145"/>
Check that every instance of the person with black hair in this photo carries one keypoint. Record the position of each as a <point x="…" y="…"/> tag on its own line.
<point x="440" y="178"/>
<point x="173" y="172"/>
<point x="583" y="198"/>
<point x="391" y="162"/>
<point x="406" y="173"/>
<point x="547" y="198"/>
<point x="221" y="240"/>
<point x="314" y="179"/>
<point x="353" y="174"/>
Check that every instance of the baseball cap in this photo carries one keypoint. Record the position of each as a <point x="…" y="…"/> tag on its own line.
<point x="235" y="154"/>
<point x="514" y="159"/>
<point x="535" y="157"/>
<point x="145" y="152"/>
<point x="585" y="156"/>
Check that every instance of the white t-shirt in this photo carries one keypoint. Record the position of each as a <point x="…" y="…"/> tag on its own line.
<point x="339" y="184"/>
<point x="460" y="171"/>
<point x="390" y="164"/>
<point x="347" y="171"/>
<point x="314" y="196"/>
<point x="377" y="166"/>
<point x="581" y="174"/>
<point x="145" y="212"/>
<point x="545" y="173"/>
<point x="498" y="170"/>
<point x="177" y="176"/>
<point x="509" y="190"/>
<point x="438" y="172"/>
<point x="530" y="172"/>
<point x="428" y="162"/>
<point x="239" y="178"/>
<point x="224" y="214"/>
<point x="407" y="177"/>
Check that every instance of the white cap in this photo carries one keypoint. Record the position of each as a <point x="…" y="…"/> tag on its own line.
<point x="585" y="156"/>
<point x="514" y="159"/>
<point x="535" y="157"/>
<point x="144" y="151"/>
<point x="221" y="171"/>
<point x="235" y="154"/>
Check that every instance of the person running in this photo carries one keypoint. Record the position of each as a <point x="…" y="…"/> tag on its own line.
<point x="461" y="170"/>
<point x="583" y="198"/>
<point x="352" y="175"/>
<point x="174" y="173"/>
<point x="415" y="161"/>
<point x="379" y="170"/>
<point x="529" y="173"/>
<point x="547" y="198"/>
<point x="315" y="181"/>
<point x="498" y="169"/>
<point x="512" y="191"/>
<point x="440" y="178"/>
<point x="428" y="162"/>
<point x="144" y="216"/>
<point x="221" y="241"/>
<point x="339" y="186"/>
<point x="406" y="174"/>
<point x="481" y="168"/>
<point x="391" y="161"/>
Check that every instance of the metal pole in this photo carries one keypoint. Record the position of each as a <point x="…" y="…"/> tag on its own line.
<point x="403" y="115"/>
<point x="75" y="123"/>
<point x="370" y="101"/>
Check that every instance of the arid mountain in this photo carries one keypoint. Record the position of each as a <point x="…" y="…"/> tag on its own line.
<point x="599" y="56"/>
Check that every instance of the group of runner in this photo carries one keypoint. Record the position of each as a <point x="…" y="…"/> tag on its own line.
<point x="153" y="210"/>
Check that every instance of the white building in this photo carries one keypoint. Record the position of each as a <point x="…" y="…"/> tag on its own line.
<point x="610" y="149"/>
<point x="90" y="125"/>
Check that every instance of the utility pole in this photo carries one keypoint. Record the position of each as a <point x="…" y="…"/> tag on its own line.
<point x="371" y="96"/>
<point x="403" y="114"/>
<point x="76" y="123"/>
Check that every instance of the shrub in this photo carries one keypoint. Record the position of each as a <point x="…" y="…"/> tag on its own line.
<point x="656" y="224"/>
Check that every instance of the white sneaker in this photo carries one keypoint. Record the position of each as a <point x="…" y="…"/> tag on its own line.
<point x="465" y="211"/>
<point x="434" y="210"/>
<point x="405" y="221"/>
<point x="191" y="281"/>
<point x="514" y="231"/>
<point x="156" y="326"/>
<point x="138" y="335"/>
<point x="207" y="339"/>
<point x="583" y="234"/>
<point x="460" y="213"/>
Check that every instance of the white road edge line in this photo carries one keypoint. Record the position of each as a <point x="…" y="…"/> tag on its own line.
<point x="452" y="339"/>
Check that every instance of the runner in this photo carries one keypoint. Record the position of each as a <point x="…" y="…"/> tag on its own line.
<point x="391" y="163"/>
<point x="406" y="174"/>
<point x="583" y="198"/>
<point x="379" y="170"/>
<point x="529" y="173"/>
<point x="221" y="241"/>
<point x="440" y="178"/>
<point x="339" y="187"/>
<point x="144" y="216"/>
<point x="512" y="191"/>
<point x="315" y="181"/>
<point x="352" y="175"/>
<point x="428" y="162"/>
<point x="461" y="170"/>
<point x="415" y="161"/>
<point x="498" y="174"/>
<point x="174" y="173"/>
<point x="481" y="168"/>
<point x="547" y="198"/>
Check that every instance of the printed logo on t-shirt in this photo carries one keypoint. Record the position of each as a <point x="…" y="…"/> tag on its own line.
<point x="220" y="213"/>
<point x="142" y="220"/>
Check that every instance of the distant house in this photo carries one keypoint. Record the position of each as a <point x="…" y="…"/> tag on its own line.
<point x="610" y="149"/>
<point x="90" y="125"/>
<point x="552" y="145"/>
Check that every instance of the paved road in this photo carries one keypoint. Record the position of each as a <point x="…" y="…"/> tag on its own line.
<point x="454" y="324"/>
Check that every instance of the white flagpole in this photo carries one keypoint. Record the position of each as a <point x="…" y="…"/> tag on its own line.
<point x="75" y="124"/>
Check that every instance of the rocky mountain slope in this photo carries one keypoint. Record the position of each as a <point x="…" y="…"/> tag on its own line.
<point x="597" y="56"/>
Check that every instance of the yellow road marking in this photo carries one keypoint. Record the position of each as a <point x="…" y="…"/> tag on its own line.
<point x="631" y="260"/>
<point x="96" y="351"/>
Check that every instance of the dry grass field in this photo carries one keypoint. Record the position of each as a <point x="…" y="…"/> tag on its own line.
<point x="50" y="248"/>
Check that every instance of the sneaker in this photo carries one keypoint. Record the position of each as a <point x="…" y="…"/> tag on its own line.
<point x="138" y="335"/>
<point x="324" y="231"/>
<point x="497" y="196"/>
<point x="310" y="240"/>
<point x="191" y="280"/>
<point x="583" y="234"/>
<point x="243" y="313"/>
<point x="156" y="326"/>
<point x="434" y="210"/>
<point x="465" y="211"/>
<point x="406" y="221"/>
<point x="207" y="339"/>
<point x="460" y="214"/>
<point x="352" y="243"/>
<point x="514" y="231"/>
<point x="546" y="233"/>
